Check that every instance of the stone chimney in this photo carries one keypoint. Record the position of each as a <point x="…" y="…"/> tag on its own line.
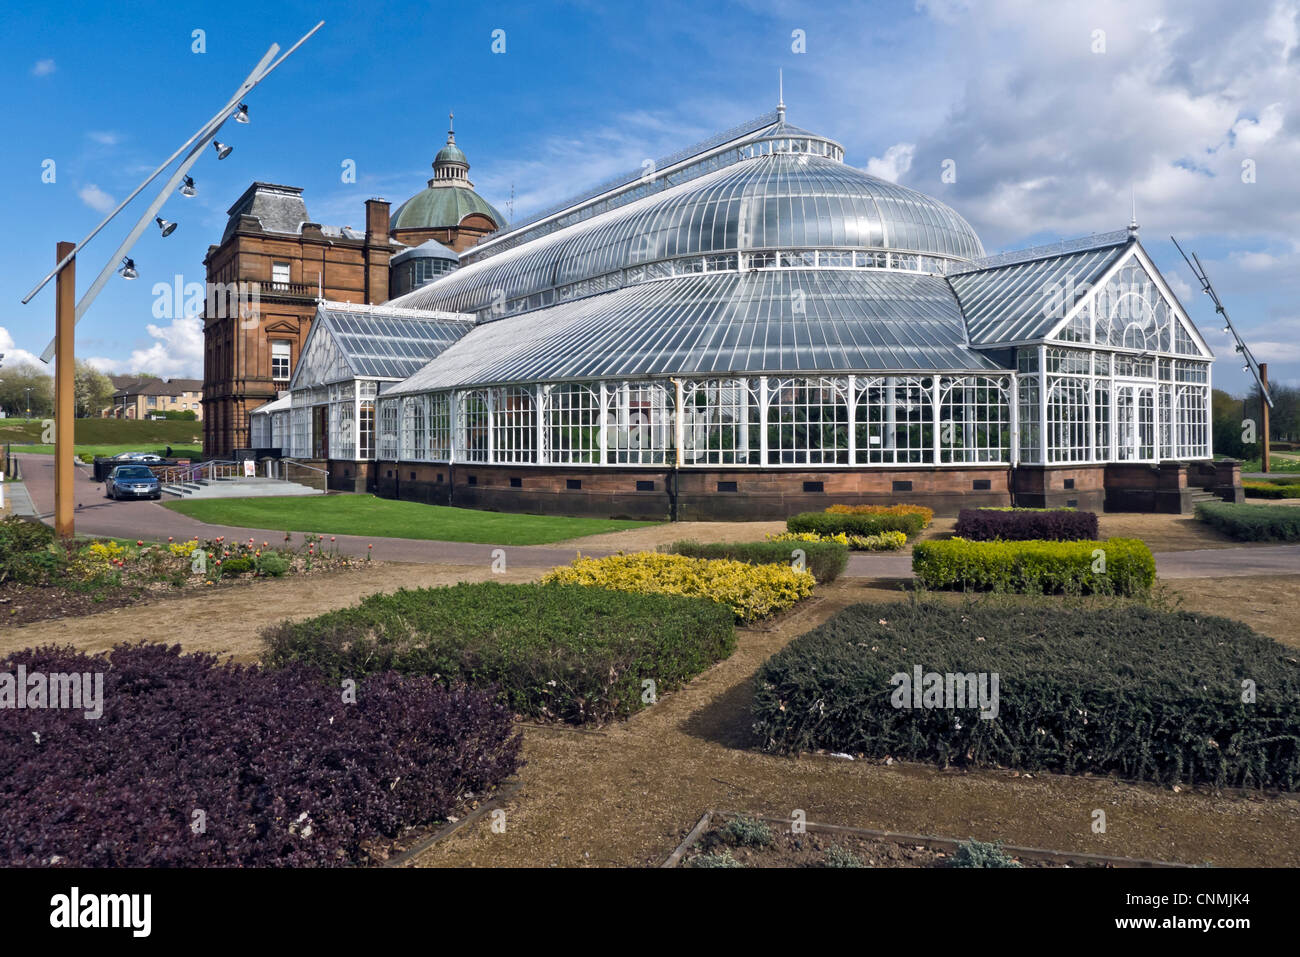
<point x="378" y="251"/>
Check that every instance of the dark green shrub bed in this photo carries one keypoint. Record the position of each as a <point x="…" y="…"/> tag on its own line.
<point x="1130" y="691"/>
<point x="1252" y="523"/>
<point x="566" y="652"/>
<point x="24" y="551"/>
<point x="1116" y="566"/>
<point x="826" y="560"/>
<point x="834" y="523"/>
<point x="1026" y="524"/>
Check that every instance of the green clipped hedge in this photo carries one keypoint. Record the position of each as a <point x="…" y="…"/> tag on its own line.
<point x="566" y="652"/>
<point x="1124" y="690"/>
<point x="826" y="560"/>
<point x="834" y="523"/>
<point x="1268" y="489"/>
<point x="1252" y="523"/>
<point x="1076" y="568"/>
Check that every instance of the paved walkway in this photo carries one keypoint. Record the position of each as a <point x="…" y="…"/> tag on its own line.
<point x="96" y="515"/>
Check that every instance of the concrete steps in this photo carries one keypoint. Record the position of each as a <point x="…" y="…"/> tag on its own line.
<point x="237" y="488"/>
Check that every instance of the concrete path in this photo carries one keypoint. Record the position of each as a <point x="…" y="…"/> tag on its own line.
<point x="18" y="499"/>
<point x="96" y="515"/>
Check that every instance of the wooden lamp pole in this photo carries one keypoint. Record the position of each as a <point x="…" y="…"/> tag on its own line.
<point x="65" y="302"/>
<point x="1263" y="405"/>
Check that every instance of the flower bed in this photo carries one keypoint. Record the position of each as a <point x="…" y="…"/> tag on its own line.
<point x="196" y="763"/>
<point x="1252" y="523"/>
<point x="884" y="542"/>
<point x="1116" y="566"/>
<point x="750" y="591"/>
<point x="561" y="652"/>
<point x="825" y="559"/>
<point x="908" y="519"/>
<point x="1026" y="524"/>
<point x="30" y="555"/>
<point x="1146" y="695"/>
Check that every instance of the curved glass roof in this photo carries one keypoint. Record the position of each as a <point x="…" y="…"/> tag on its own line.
<point x="755" y="322"/>
<point x="773" y="201"/>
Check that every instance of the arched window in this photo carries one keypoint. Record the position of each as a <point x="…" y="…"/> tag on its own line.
<point x="638" y="423"/>
<point x="412" y="446"/>
<point x="514" y="425"/>
<point x="438" y="446"/>
<point x="572" y="424"/>
<point x="894" y="420"/>
<point x="720" y="423"/>
<point x="1067" y="420"/>
<point x="472" y="426"/>
<point x="974" y="419"/>
<point x="1192" y="429"/>
<point x="808" y="421"/>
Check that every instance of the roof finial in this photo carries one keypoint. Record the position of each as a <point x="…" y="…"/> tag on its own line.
<point x="780" y="96"/>
<point x="451" y="126"/>
<point x="1133" y="223"/>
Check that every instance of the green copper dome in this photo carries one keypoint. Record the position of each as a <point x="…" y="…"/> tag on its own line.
<point x="450" y="196"/>
<point x="451" y="153"/>
<point x="442" y="206"/>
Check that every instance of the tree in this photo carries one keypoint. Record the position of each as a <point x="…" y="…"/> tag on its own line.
<point x="1227" y="414"/>
<point x="24" y="386"/>
<point x="92" y="390"/>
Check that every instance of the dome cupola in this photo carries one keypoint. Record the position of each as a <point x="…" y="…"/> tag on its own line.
<point x="450" y="165"/>
<point x="447" y="210"/>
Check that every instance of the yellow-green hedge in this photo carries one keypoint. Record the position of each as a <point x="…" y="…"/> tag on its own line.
<point x="751" y="591"/>
<point x="1121" y="566"/>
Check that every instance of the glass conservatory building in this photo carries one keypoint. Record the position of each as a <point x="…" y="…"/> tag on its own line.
<point x="755" y="328"/>
<point x="351" y="355"/>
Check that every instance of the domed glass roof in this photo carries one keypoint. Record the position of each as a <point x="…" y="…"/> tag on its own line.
<point x="772" y="202"/>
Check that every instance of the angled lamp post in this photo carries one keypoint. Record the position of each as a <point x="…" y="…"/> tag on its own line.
<point x="68" y="311"/>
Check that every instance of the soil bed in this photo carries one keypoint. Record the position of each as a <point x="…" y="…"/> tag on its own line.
<point x="819" y="845"/>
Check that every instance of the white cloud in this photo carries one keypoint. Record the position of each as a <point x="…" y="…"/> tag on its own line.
<point x="1182" y="95"/>
<point x="177" y="350"/>
<point x="105" y="137"/>
<point x="43" y="68"/>
<point x="896" y="161"/>
<point x="1276" y="351"/>
<point x="14" y="356"/>
<point x="96" y="198"/>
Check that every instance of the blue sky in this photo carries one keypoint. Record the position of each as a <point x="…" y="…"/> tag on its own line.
<point x="1051" y="125"/>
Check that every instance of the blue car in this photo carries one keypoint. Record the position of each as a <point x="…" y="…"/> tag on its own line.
<point x="132" y="481"/>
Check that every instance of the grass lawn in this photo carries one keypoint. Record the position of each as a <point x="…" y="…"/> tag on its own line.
<point x="1276" y="463"/>
<point x="178" y="451"/>
<point x="367" y="515"/>
<point x="128" y="433"/>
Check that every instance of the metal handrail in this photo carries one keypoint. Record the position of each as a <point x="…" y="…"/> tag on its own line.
<point x="194" y="472"/>
<point x="303" y="465"/>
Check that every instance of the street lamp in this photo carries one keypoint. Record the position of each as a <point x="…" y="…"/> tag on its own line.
<point x="68" y="311"/>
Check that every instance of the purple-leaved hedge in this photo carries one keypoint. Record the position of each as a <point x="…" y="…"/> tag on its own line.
<point x="199" y="763"/>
